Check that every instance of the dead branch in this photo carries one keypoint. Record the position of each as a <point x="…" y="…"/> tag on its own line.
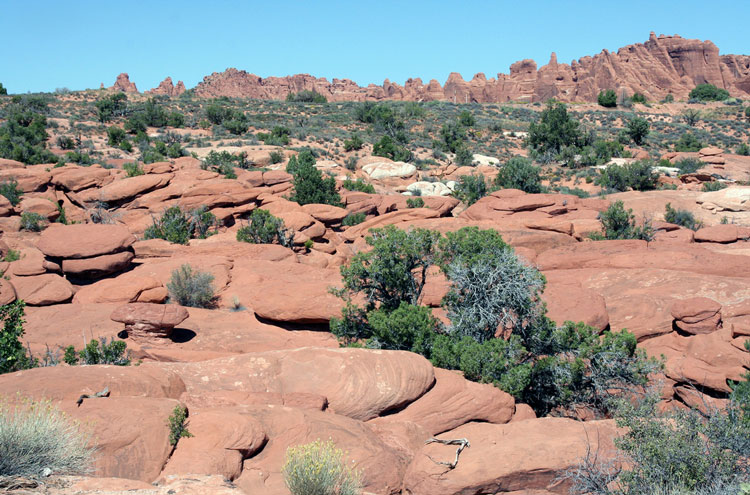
<point x="462" y="444"/>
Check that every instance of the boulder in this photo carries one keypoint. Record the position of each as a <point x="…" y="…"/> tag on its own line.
<point x="126" y="288"/>
<point x="221" y="439"/>
<point x="338" y="374"/>
<point x="84" y="240"/>
<point x="7" y="292"/>
<point x="569" y="302"/>
<point x="722" y="234"/>
<point x="454" y="401"/>
<point x="729" y="199"/>
<point x="98" y="266"/>
<point x="148" y="321"/>
<point x="387" y="169"/>
<point x="519" y="456"/>
<point x="43" y="290"/>
<point x="124" y="189"/>
<point x="697" y="315"/>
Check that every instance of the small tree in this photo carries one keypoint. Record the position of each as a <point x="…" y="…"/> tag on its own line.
<point x="470" y="189"/>
<point x="638" y="129"/>
<point x="708" y="92"/>
<point x="555" y="130"/>
<point x="519" y="173"/>
<point x="11" y="191"/>
<point x="619" y="223"/>
<point x="3" y="91"/>
<point x="13" y="355"/>
<point x="110" y="106"/>
<point x="309" y="184"/>
<point x="178" y="425"/>
<point x="264" y="228"/>
<point x="607" y="98"/>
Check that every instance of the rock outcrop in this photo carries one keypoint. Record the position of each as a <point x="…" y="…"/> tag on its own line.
<point x="123" y="84"/>
<point x="660" y="66"/>
<point x="167" y="88"/>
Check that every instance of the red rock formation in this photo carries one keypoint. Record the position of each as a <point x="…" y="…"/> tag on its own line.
<point x="123" y="84"/>
<point x="167" y="88"/>
<point x="661" y="65"/>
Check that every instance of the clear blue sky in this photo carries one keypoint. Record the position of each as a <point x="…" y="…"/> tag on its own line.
<point x="78" y="44"/>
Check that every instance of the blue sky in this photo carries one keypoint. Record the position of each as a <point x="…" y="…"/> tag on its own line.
<point x="78" y="44"/>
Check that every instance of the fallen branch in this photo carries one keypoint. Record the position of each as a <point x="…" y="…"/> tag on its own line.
<point x="462" y="444"/>
<point x="103" y="393"/>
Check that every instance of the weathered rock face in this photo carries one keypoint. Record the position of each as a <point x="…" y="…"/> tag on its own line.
<point x="168" y="89"/>
<point x="148" y="321"/>
<point x="123" y="84"/>
<point x="661" y="65"/>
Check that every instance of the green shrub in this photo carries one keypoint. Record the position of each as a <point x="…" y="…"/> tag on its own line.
<point x="669" y="98"/>
<point x="464" y="157"/>
<point x="13" y="355"/>
<point x="555" y="130"/>
<point x="354" y="143"/>
<point x="264" y="228"/>
<point x="550" y="368"/>
<point x="133" y="169"/>
<point x="33" y="222"/>
<point x="9" y="189"/>
<point x="470" y="189"/>
<point x="276" y="157"/>
<point x="353" y="219"/>
<point x="115" y="135"/>
<point x="177" y="423"/>
<point x="23" y="135"/>
<point x="238" y="125"/>
<point x="619" y="223"/>
<point x="708" y="92"/>
<point x="3" y="91"/>
<point x="519" y="173"/>
<point x="190" y="288"/>
<point x="415" y="202"/>
<point x="306" y="96"/>
<point x="112" y="352"/>
<point x="35" y="436"/>
<point x="12" y="255"/>
<point x="65" y="143"/>
<point x="743" y="149"/>
<point x="217" y="114"/>
<point x="176" y="119"/>
<point x="638" y="129"/>
<point x="388" y="148"/>
<point x="607" y="98"/>
<point x="178" y="226"/>
<point x="639" y="176"/>
<point x="689" y="165"/>
<point x="638" y="98"/>
<point x="688" y="142"/>
<point x="279" y="136"/>
<point x="319" y="468"/>
<point x="110" y="106"/>
<point x="713" y="186"/>
<point x="136" y="124"/>
<point x="358" y="185"/>
<point x="223" y="162"/>
<point x="453" y="138"/>
<point x="681" y="217"/>
<point x="309" y="185"/>
<point x="154" y="114"/>
<point x="677" y="451"/>
<point x="467" y="119"/>
<point x="406" y="328"/>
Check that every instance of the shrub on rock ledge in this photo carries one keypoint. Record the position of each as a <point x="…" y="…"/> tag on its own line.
<point x="36" y="436"/>
<point x="191" y="288"/>
<point x="319" y="468"/>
